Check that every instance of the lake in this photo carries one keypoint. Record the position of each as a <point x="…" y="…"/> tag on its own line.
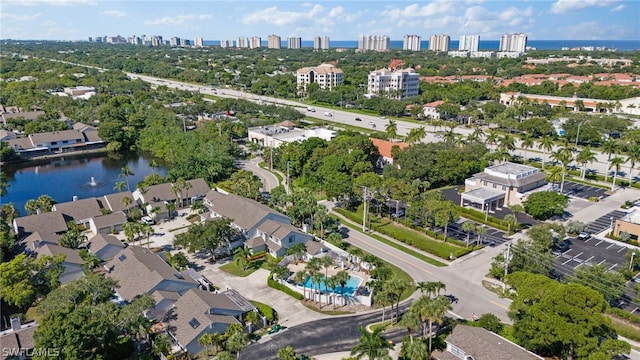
<point x="69" y="176"/>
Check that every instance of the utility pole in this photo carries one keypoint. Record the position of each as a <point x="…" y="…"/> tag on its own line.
<point x="288" y="188"/>
<point x="631" y="261"/>
<point x="364" y="210"/>
<point x="271" y="161"/>
<point x="506" y="266"/>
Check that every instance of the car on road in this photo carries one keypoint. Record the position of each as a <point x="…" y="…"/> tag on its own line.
<point x="371" y="123"/>
<point x="328" y="114"/>
<point x="309" y="108"/>
<point x="383" y="117"/>
<point x="358" y="119"/>
<point x="584" y="236"/>
<point x="148" y="220"/>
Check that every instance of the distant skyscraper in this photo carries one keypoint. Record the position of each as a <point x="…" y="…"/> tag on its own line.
<point x="242" y="42"/>
<point x="513" y="42"/>
<point x="411" y="42"/>
<point x="226" y="43"/>
<point x="255" y="42"/>
<point x="198" y="42"/>
<point x="439" y="42"/>
<point x="273" y="42"/>
<point x="294" y="42"/>
<point x="321" y="43"/>
<point x="373" y="42"/>
<point x="469" y="42"/>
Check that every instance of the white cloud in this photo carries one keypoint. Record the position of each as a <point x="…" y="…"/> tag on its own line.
<point x="177" y="20"/>
<point x="618" y="8"/>
<point x="338" y="13"/>
<point x="415" y="10"/>
<point x="565" y="6"/>
<point x="49" y="2"/>
<point x="273" y="16"/>
<point x="15" y="18"/>
<point x="116" y="13"/>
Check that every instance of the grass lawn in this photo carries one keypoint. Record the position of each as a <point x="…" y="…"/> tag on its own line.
<point x="236" y="269"/>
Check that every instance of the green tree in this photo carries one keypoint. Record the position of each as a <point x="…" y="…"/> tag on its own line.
<point x="546" y="145"/>
<point x="545" y="204"/>
<point x="415" y="135"/>
<point x="297" y="250"/>
<point x="611" y="284"/>
<point x="371" y="345"/>
<point x="616" y="164"/>
<point x="392" y="129"/>
<point x="126" y="172"/>
<point x="208" y="235"/>
<point x="489" y="322"/>
<point x="527" y="143"/>
<point x="430" y="310"/>
<point x="584" y="157"/>
<point x="73" y="237"/>
<point x="468" y="227"/>
<point x="241" y="256"/>
<point x="24" y="278"/>
<point x="287" y="353"/>
<point x="633" y="157"/>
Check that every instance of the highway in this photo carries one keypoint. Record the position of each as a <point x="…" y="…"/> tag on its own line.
<point x="369" y="122"/>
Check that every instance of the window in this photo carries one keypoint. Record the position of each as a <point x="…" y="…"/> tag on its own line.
<point x="504" y="188"/>
<point x="494" y="186"/>
<point x="194" y="323"/>
<point x="122" y="257"/>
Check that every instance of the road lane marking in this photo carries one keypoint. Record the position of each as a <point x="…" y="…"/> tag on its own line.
<point x="499" y="305"/>
<point x="394" y="255"/>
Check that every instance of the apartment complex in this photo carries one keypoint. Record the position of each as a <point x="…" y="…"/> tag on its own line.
<point x="411" y="42"/>
<point x="439" y="42"/>
<point x="255" y="42"/>
<point x="394" y="84"/>
<point x="198" y="42"/>
<point x="373" y="42"/>
<point x="294" y="42"/>
<point x="273" y="42"/>
<point x="226" y="43"/>
<point x="326" y="75"/>
<point x="321" y="43"/>
<point x="242" y="42"/>
<point x="513" y="43"/>
<point x="469" y="43"/>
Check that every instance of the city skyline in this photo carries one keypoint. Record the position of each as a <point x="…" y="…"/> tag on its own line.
<point x="343" y="20"/>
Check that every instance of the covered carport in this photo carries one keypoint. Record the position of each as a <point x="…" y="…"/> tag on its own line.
<point x="483" y="198"/>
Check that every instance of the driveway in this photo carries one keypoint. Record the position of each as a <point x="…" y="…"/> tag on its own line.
<point x="269" y="181"/>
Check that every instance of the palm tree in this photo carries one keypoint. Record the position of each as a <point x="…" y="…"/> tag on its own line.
<point x="507" y="143"/>
<point x="119" y="186"/>
<point x="31" y="206"/>
<point x="371" y="345"/>
<point x="615" y="163"/>
<point x="45" y="203"/>
<point x="585" y="156"/>
<point x="430" y="310"/>
<point x="511" y="221"/>
<point x="492" y="137"/>
<point x="546" y="144"/>
<point x="468" y="227"/>
<point x="297" y="250"/>
<point x="480" y="231"/>
<point x="610" y="146"/>
<point x="633" y="152"/>
<point x="125" y="172"/>
<point x="392" y="129"/>
<point x="415" y="135"/>
<point x="320" y="217"/>
<point x="130" y="229"/>
<point x="326" y="262"/>
<point x="299" y="278"/>
<point x="206" y="340"/>
<point x="477" y="134"/>
<point x="516" y="209"/>
<point x="332" y="283"/>
<point x="410" y="322"/>
<point x="317" y="278"/>
<point x="126" y="201"/>
<point x="527" y="143"/>
<point x="287" y="353"/>
<point x="241" y="256"/>
<point x="171" y="209"/>
<point x="564" y="156"/>
<point x="414" y="350"/>
<point x="342" y="277"/>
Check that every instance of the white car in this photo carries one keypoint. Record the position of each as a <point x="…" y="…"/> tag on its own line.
<point x="328" y="114"/>
<point x="148" y="220"/>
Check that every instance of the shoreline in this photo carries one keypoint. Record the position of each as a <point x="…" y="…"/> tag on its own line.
<point x="36" y="159"/>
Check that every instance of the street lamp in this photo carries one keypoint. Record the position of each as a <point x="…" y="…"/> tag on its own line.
<point x="611" y="224"/>
<point x="631" y="261"/>
<point x="577" y="134"/>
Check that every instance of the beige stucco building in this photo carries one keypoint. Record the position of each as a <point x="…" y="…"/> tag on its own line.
<point x="629" y="224"/>
<point x="501" y="185"/>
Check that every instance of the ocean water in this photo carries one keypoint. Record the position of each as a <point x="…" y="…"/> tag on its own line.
<point x="625" y="45"/>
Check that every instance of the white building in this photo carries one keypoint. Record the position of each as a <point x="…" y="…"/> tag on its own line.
<point x="482" y="54"/>
<point x="226" y="43"/>
<point x="273" y="42"/>
<point x="255" y="42"/>
<point x="459" y="53"/>
<point x="411" y="42"/>
<point x="198" y="42"/>
<point x="326" y="75"/>
<point x="469" y="42"/>
<point x="439" y="43"/>
<point x="321" y="43"/>
<point x="275" y="135"/>
<point x="242" y="42"/>
<point x="294" y="42"/>
<point x="373" y="42"/>
<point x="513" y="43"/>
<point x="508" y="54"/>
<point x="396" y="84"/>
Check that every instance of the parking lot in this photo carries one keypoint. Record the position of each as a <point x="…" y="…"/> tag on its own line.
<point x="602" y="223"/>
<point x="583" y="191"/>
<point x="493" y="237"/>
<point x="590" y="252"/>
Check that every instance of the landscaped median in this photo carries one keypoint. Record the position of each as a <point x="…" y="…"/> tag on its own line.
<point x="410" y="237"/>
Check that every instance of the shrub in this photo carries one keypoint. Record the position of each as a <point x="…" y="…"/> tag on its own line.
<point x="266" y="310"/>
<point x="276" y="285"/>
<point x="594" y="199"/>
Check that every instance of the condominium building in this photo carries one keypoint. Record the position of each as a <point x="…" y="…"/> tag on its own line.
<point x="411" y="42"/>
<point x="396" y="84"/>
<point x="458" y="53"/>
<point x="439" y="43"/>
<point x="226" y="43"/>
<point x="513" y="43"/>
<point x="242" y="42"/>
<point x="321" y="43"/>
<point x="255" y="42"/>
<point x="273" y="42"/>
<point x="373" y="42"/>
<point x="294" y="42"/>
<point x="198" y="42"/>
<point x="326" y="75"/>
<point x="469" y="42"/>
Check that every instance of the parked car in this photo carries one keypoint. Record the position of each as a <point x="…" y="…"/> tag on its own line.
<point x="148" y="220"/>
<point x="584" y="236"/>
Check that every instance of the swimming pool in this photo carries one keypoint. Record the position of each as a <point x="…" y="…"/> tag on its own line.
<point x="349" y="289"/>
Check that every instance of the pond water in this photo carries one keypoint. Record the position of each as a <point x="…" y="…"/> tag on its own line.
<point x="69" y="176"/>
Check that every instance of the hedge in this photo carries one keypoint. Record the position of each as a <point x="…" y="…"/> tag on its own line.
<point x="265" y="310"/>
<point x="410" y="237"/>
<point x="276" y="285"/>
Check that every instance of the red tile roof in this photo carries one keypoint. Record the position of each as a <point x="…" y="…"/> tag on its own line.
<point x="384" y="146"/>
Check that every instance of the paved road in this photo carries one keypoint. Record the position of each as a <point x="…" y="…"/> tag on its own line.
<point x="269" y="180"/>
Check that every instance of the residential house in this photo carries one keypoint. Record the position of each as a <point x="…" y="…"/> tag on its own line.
<point x="246" y="215"/>
<point x="198" y="312"/>
<point x="108" y="223"/>
<point x="79" y="211"/>
<point x="500" y="185"/>
<point x="430" y="110"/>
<point x="475" y="343"/>
<point x="316" y="249"/>
<point x="279" y="237"/>
<point x="15" y="113"/>
<point x="46" y="223"/>
<point x="164" y="303"/>
<point x="55" y="142"/>
<point x="73" y="263"/>
<point x="117" y="202"/>
<point x="156" y="197"/>
<point x="7" y="135"/>
<point x="386" y="150"/>
<point x="18" y="342"/>
<point x="105" y="247"/>
<point x="139" y="271"/>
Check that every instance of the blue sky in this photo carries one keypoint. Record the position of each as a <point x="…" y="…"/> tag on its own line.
<point x="340" y="20"/>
